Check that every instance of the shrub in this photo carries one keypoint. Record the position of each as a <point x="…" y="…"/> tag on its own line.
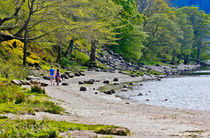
<point x="37" y="89"/>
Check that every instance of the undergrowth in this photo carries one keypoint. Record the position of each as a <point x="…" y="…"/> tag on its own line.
<point x="45" y="128"/>
<point x="14" y="100"/>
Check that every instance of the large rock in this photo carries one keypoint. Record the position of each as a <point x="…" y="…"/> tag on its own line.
<point x="65" y="76"/>
<point x="114" y="131"/>
<point x="68" y="73"/>
<point x="71" y="75"/>
<point x="80" y="82"/>
<point x="16" y="82"/>
<point x="34" y="81"/>
<point x="77" y="74"/>
<point x="116" y="83"/>
<point x="31" y="77"/>
<point x="106" y="82"/>
<point x="91" y="81"/>
<point x="115" y="79"/>
<point x="83" y="88"/>
<point x="46" y="77"/>
<point x="43" y="84"/>
<point x="65" y="84"/>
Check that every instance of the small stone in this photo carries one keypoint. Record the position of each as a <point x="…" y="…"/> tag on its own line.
<point x="80" y="82"/>
<point x="131" y="83"/>
<point x="124" y="90"/>
<point x="127" y="103"/>
<point x="125" y="86"/>
<point x="140" y="94"/>
<point x="113" y="91"/>
<point x="159" y="79"/>
<point x="65" y="84"/>
<point x="106" y="82"/>
<point x="46" y="77"/>
<point x="115" y="79"/>
<point x="77" y="74"/>
<point x="96" y="92"/>
<point x="16" y="82"/>
<point x="44" y="84"/>
<point x="140" y="84"/>
<point x="147" y="100"/>
<point x="116" y="83"/>
<point x="108" y="92"/>
<point x="83" y="89"/>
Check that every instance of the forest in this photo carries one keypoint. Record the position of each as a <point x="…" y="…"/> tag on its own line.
<point x="70" y="32"/>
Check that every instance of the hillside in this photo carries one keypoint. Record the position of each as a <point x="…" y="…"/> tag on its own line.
<point x="202" y="4"/>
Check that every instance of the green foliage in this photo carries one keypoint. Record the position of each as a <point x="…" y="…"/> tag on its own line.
<point x="14" y="100"/>
<point x="44" y="128"/>
<point x="12" y="68"/>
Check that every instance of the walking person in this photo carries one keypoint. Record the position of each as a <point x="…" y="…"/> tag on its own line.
<point x="57" y="76"/>
<point x="52" y="75"/>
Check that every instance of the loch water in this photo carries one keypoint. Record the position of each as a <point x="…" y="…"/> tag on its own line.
<point x="184" y="92"/>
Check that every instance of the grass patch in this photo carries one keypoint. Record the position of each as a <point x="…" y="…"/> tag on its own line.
<point x="144" y="72"/>
<point x="47" y="128"/>
<point x="14" y="100"/>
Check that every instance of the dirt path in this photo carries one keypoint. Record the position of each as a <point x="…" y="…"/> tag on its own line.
<point x="143" y="120"/>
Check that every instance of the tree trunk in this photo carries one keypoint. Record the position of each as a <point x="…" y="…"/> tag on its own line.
<point x="93" y="50"/>
<point x="70" y="49"/>
<point x="198" y="53"/>
<point x="59" y="50"/>
<point x="25" y="48"/>
<point x="186" y="59"/>
<point x="173" y="57"/>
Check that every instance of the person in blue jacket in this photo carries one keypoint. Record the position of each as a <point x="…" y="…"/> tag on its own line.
<point x="52" y="74"/>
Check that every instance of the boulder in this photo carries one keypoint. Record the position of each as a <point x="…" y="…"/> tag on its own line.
<point x="80" y="82"/>
<point x="108" y="92"/>
<point x="131" y="83"/>
<point x="114" y="131"/>
<point x="116" y="83"/>
<point x="71" y="75"/>
<point x="23" y="82"/>
<point x="124" y="90"/>
<point x="125" y="86"/>
<point x="82" y="73"/>
<point x="28" y="83"/>
<point x="31" y="77"/>
<point x="46" y="77"/>
<point x="43" y="84"/>
<point x="91" y="81"/>
<point x="16" y="82"/>
<point x="64" y="76"/>
<point x="68" y="73"/>
<point x="34" y="81"/>
<point x="97" y="80"/>
<point x="83" y="88"/>
<point x="65" y="84"/>
<point x="77" y="74"/>
<point x="115" y="79"/>
<point x="140" y="94"/>
<point x="113" y="91"/>
<point x="106" y="81"/>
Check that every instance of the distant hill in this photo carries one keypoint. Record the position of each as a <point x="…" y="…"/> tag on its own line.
<point x="202" y="4"/>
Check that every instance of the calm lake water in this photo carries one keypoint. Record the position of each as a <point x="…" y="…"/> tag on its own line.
<point x="186" y="92"/>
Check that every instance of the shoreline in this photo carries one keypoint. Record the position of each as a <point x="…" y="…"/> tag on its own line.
<point x="141" y="119"/>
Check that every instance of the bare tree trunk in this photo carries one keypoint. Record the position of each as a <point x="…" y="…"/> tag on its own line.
<point x="173" y="57"/>
<point x="198" y="53"/>
<point x="70" y="49"/>
<point x="25" y="48"/>
<point x="59" y="50"/>
<point x="93" y="50"/>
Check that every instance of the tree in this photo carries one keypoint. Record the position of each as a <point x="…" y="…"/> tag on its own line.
<point x="162" y="42"/>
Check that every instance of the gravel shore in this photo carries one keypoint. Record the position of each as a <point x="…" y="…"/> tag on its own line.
<point x="141" y="119"/>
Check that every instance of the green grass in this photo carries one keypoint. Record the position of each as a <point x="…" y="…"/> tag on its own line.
<point x="143" y="72"/>
<point x="45" y="128"/>
<point x="14" y="100"/>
